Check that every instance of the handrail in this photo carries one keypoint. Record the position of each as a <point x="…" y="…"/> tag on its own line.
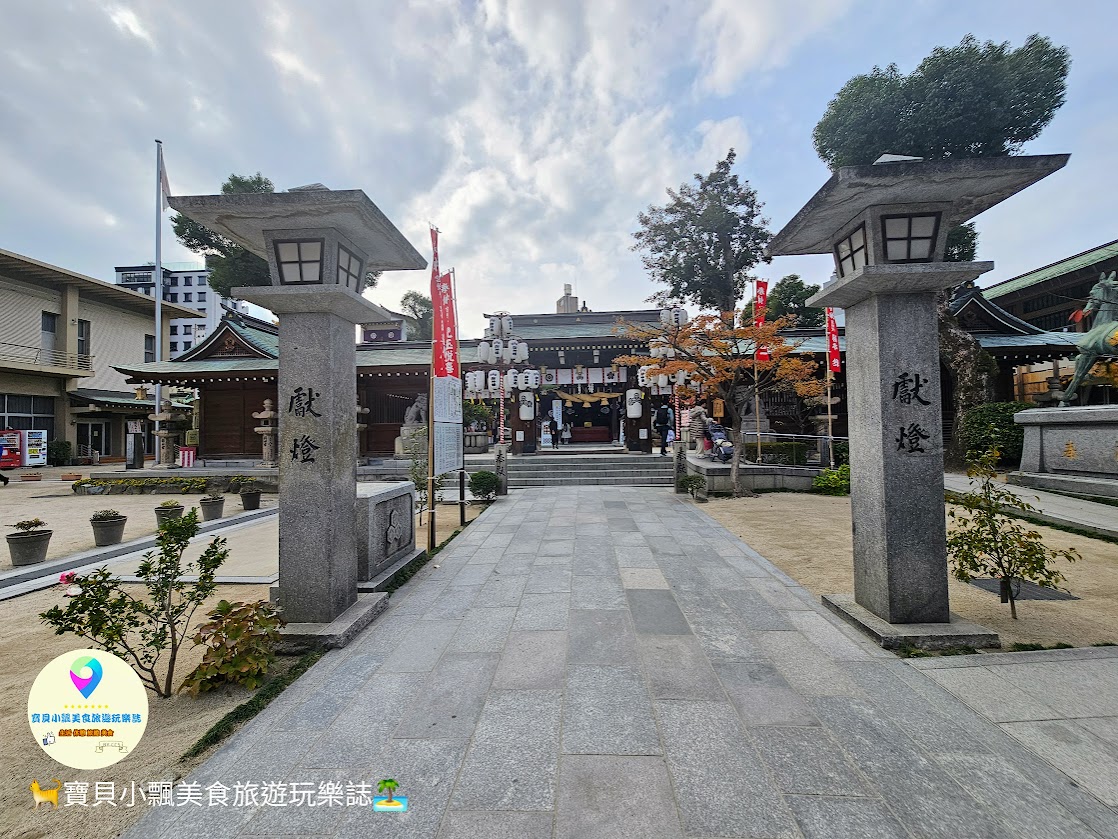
<point x="47" y="358"/>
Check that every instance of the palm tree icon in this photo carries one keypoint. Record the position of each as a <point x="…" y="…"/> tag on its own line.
<point x="388" y="785"/>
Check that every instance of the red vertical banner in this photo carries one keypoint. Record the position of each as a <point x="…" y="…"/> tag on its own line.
<point x="760" y="301"/>
<point x="834" y="356"/>
<point x="444" y="328"/>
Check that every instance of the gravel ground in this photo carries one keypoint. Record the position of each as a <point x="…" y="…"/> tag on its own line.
<point x="808" y="537"/>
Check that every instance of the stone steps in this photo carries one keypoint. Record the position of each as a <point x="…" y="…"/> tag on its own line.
<point x="589" y="480"/>
<point x="604" y="470"/>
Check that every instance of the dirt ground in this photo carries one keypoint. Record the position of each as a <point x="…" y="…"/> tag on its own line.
<point x="173" y="726"/>
<point x="808" y="537"/>
<point x="68" y="514"/>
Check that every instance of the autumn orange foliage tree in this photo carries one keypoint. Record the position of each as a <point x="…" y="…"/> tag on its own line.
<point x="717" y="352"/>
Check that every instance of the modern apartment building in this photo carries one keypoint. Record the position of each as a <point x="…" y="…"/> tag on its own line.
<point x="184" y="283"/>
<point x="61" y="336"/>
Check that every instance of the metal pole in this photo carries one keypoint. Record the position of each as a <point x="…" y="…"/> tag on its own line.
<point x="431" y="460"/>
<point x="462" y="498"/>
<point x="756" y="396"/>
<point x="157" y="271"/>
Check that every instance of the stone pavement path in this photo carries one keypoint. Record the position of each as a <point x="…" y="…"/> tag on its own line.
<point x="609" y="662"/>
<point x="1061" y="509"/>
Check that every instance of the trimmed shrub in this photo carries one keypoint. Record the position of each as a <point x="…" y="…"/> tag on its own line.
<point x="59" y="453"/>
<point x="832" y="481"/>
<point x="992" y="426"/>
<point x="842" y="453"/>
<point x="783" y="454"/>
<point x="485" y="485"/>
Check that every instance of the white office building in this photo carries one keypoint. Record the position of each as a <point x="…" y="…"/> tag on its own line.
<point x="184" y="283"/>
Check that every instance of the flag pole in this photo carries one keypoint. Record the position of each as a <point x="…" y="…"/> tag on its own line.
<point x="830" y="417"/>
<point x="431" y="401"/>
<point x="756" y="398"/>
<point x="158" y="272"/>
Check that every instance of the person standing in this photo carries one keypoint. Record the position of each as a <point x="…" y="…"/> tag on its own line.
<point x="663" y="420"/>
<point x="553" y="427"/>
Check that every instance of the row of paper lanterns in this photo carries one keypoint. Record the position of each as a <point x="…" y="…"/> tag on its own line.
<point x="479" y="380"/>
<point x="680" y="377"/>
<point x="512" y="351"/>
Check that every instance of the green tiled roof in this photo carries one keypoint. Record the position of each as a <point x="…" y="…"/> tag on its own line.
<point x="1048" y="272"/>
<point x="264" y="341"/>
<point x="545" y="331"/>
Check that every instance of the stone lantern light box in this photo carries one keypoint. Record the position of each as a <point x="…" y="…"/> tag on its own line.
<point x="886" y="225"/>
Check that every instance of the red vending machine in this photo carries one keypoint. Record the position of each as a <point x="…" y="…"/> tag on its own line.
<point x="10" y="451"/>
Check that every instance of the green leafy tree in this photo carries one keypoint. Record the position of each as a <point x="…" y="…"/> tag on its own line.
<point x="420" y="313"/>
<point x="972" y="100"/>
<point x="788" y="298"/>
<point x="231" y="265"/>
<point x="705" y="240"/>
<point x="986" y="543"/>
<point x="142" y="629"/>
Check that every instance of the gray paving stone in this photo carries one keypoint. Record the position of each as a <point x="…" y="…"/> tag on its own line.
<point x="601" y="636"/>
<point x="496" y="825"/>
<point x="597" y="592"/>
<point x="547" y="579"/>
<point x="595" y="564"/>
<point x="501" y="591"/>
<point x="542" y="611"/>
<point x="1076" y="688"/>
<point x="425" y="771"/>
<point x="523" y="546"/>
<point x="836" y="641"/>
<point x="720" y="782"/>
<point x="607" y="710"/>
<point x="634" y="556"/>
<point x="643" y="578"/>
<point x="761" y="695"/>
<point x="656" y="612"/>
<point x="451" y="699"/>
<point x="421" y="648"/>
<point x="804" y="666"/>
<point x="754" y="611"/>
<point x="300" y="820"/>
<point x="483" y="630"/>
<point x="845" y="818"/>
<point x="991" y="696"/>
<point x="386" y="633"/>
<point x="806" y="761"/>
<point x="515" y="565"/>
<point x="719" y="578"/>
<point x="1021" y="806"/>
<point x="453" y="603"/>
<point x="514" y="754"/>
<point x="416" y="601"/>
<point x="607" y="797"/>
<point x="677" y="669"/>
<point x="365" y="725"/>
<point x="532" y="661"/>
<point x="1091" y="762"/>
<point x="474" y="574"/>
<point x="628" y="538"/>
<point x="556" y="547"/>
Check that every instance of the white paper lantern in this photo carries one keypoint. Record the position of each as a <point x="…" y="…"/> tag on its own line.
<point x="642" y="377"/>
<point x="527" y="406"/>
<point x="521" y="352"/>
<point x="483" y="350"/>
<point x="496" y="350"/>
<point x="633" y="404"/>
<point x="681" y="377"/>
<point x="510" y="380"/>
<point x="507" y="352"/>
<point x="506" y="325"/>
<point x="522" y="381"/>
<point x="662" y="380"/>
<point x="674" y="316"/>
<point x="533" y="379"/>
<point x="494" y="381"/>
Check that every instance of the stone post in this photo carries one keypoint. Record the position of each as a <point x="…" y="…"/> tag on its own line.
<point x="502" y="469"/>
<point x="679" y="459"/>
<point x="362" y="413"/>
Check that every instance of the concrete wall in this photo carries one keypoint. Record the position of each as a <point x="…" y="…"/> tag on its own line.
<point x="22" y="305"/>
<point x="117" y="338"/>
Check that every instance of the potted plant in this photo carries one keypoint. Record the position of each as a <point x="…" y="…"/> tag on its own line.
<point x="212" y="506"/>
<point x="250" y="496"/>
<point x="71" y="476"/>
<point x="108" y="527"/>
<point x="169" y="509"/>
<point x="29" y="546"/>
<point x="31" y="476"/>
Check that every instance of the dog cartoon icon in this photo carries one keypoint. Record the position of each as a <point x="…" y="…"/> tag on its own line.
<point x="45" y="796"/>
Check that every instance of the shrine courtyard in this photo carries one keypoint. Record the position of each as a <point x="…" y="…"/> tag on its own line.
<point x="610" y="662"/>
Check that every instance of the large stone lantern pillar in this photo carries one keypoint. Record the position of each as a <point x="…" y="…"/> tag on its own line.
<point x="886" y="227"/>
<point x="319" y="244"/>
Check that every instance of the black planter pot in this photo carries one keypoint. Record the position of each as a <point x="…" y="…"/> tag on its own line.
<point x="211" y="509"/>
<point x="108" y="531"/>
<point x="163" y="514"/>
<point x="29" y="548"/>
<point x="250" y="500"/>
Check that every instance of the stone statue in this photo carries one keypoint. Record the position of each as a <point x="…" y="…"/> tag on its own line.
<point x="1102" y="339"/>
<point x="417" y="411"/>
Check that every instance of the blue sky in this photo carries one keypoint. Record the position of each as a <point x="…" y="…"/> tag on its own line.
<point x="530" y="132"/>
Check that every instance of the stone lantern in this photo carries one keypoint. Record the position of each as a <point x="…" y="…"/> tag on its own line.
<point x="886" y="227"/>
<point x="319" y="244"/>
<point x="268" y="429"/>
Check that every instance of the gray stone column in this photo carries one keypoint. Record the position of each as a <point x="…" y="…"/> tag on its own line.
<point x="317" y="468"/>
<point x="896" y="457"/>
